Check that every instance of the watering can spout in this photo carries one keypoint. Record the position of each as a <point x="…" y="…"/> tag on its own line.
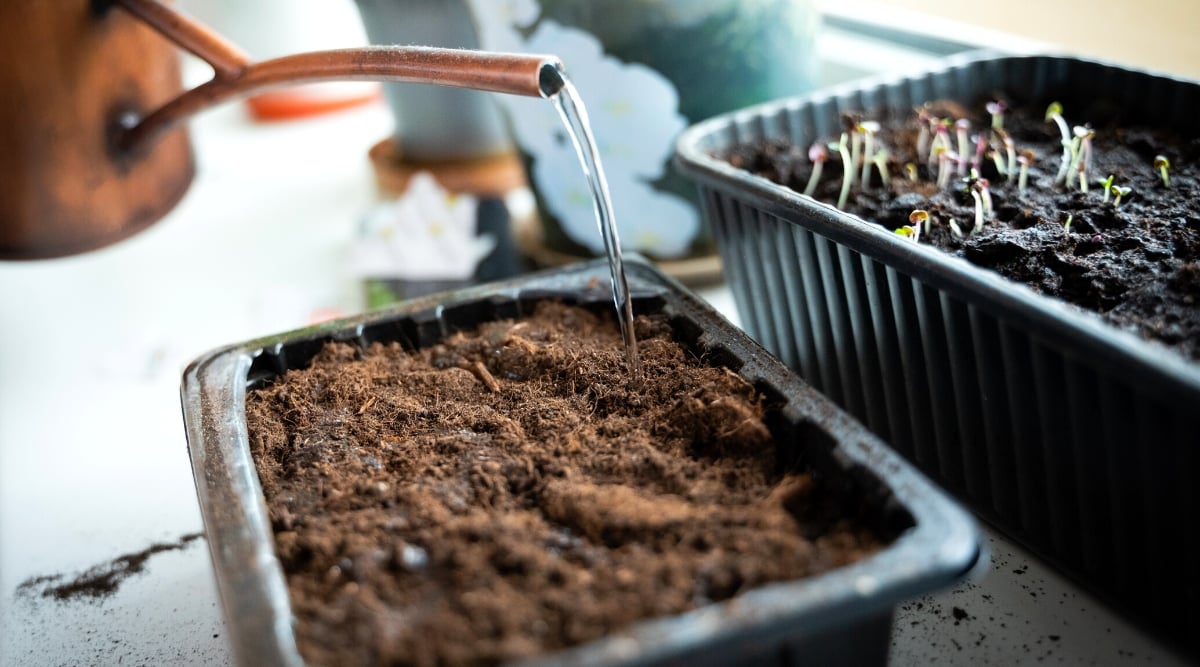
<point x="235" y="75"/>
<point x="108" y="164"/>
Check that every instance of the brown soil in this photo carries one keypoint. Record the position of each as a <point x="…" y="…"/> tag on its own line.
<point x="511" y="492"/>
<point x="1136" y="264"/>
<point x="103" y="580"/>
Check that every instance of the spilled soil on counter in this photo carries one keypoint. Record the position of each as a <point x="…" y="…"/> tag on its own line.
<point x="512" y="491"/>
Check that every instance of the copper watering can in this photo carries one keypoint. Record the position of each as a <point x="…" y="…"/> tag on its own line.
<point x="91" y="146"/>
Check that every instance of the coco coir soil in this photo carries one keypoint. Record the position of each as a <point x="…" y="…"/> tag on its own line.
<point x="512" y="491"/>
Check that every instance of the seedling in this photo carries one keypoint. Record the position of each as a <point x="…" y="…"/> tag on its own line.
<point x="817" y="154"/>
<point x="978" y="211"/>
<point x="925" y="120"/>
<point x="981" y="151"/>
<point x="1119" y="192"/>
<point x="1010" y="151"/>
<point x="996" y="108"/>
<point x="961" y="127"/>
<point x="911" y="233"/>
<point x="910" y="170"/>
<point x="847" y="170"/>
<point x="1106" y="185"/>
<point x="955" y="229"/>
<point x="920" y="217"/>
<point x="1081" y="155"/>
<point x="945" y="158"/>
<point x="1024" y="159"/>
<point x="941" y="141"/>
<point x="1067" y="224"/>
<point x="868" y="129"/>
<point x="980" y="185"/>
<point x="880" y="162"/>
<point x="1162" y="164"/>
<point x="1054" y="114"/>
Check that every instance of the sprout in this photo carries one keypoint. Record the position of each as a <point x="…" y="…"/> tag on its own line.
<point x="996" y="108"/>
<point x="880" y="162"/>
<point x="868" y="128"/>
<point x="978" y="211"/>
<point x="955" y="229"/>
<point x="1025" y="158"/>
<point x="1106" y="185"/>
<point x="1162" y="164"/>
<point x="911" y="233"/>
<point x="981" y="150"/>
<point x="1081" y="155"/>
<point x="1119" y="192"/>
<point x="1054" y="113"/>
<point x="1010" y="151"/>
<point x="961" y="127"/>
<point x="847" y="170"/>
<point x="1067" y="224"/>
<point x="925" y="120"/>
<point x="980" y="185"/>
<point x="941" y="141"/>
<point x="817" y="153"/>
<point x="911" y="170"/>
<point x="920" y="217"/>
<point x="945" y="157"/>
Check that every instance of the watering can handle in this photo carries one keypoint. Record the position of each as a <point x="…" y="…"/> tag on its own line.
<point x="235" y="74"/>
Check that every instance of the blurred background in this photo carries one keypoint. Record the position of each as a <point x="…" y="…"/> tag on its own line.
<point x="310" y="204"/>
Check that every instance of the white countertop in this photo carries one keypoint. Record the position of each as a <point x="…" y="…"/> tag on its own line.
<point x="93" y="460"/>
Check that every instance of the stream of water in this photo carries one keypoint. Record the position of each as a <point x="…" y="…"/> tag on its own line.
<point x="559" y="89"/>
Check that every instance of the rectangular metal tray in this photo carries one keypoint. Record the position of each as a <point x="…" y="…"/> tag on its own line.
<point x="1074" y="438"/>
<point x="841" y="617"/>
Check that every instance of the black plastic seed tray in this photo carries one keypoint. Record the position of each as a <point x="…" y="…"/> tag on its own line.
<point x="841" y="617"/>
<point x="1074" y="438"/>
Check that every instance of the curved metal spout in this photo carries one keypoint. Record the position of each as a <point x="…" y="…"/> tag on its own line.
<point x="512" y="73"/>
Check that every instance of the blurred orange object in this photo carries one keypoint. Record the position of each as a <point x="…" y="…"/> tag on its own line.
<point x="310" y="100"/>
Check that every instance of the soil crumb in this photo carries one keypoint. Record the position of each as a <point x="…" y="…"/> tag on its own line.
<point x="511" y="491"/>
<point x="100" y="581"/>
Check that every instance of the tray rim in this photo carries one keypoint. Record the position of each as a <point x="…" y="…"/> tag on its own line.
<point x="944" y="545"/>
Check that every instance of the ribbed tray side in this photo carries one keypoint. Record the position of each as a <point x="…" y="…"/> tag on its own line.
<point x="1084" y="464"/>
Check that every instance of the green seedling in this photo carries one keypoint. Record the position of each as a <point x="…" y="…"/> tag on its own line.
<point x="1106" y="185"/>
<point x="910" y="170"/>
<point x="1067" y="224"/>
<point x="817" y="154"/>
<point x="847" y="170"/>
<point x="1054" y="114"/>
<point x="997" y="108"/>
<point x="868" y="129"/>
<point x="1024" y="159"/>
<point x="1119" y="192"/>
<point x="1162" y="164"/>
<point x="911" y="233"/>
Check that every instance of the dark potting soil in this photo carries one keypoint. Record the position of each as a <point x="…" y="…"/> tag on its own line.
<point x="100" y="581"/>
<point x="1137" y="264"/>
<point x="512" y="491"/>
